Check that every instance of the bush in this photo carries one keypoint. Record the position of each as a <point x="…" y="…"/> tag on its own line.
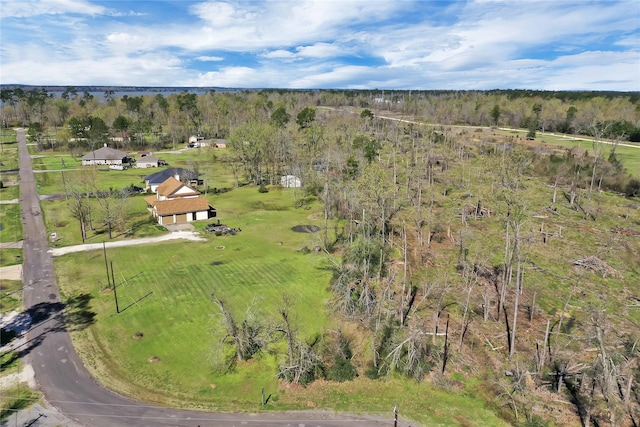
<point x="372" y="373"/>
<point x="263" y="189"/>
<point x="342" y="370"/>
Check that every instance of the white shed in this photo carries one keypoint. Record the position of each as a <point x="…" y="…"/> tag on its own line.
<point x="290" y="181"/>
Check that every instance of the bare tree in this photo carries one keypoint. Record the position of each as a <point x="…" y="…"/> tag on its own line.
<point x="249" y="335"/>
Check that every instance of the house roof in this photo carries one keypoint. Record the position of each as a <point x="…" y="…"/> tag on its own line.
<point x="160" y="177"/>
<point x="105" y="153"/>
<point x="171" y="185"/>
<point x="180" y="205"/>
<point x="148" y="159"/>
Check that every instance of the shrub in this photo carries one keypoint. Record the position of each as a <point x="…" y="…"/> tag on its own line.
<point x="263" y="189"/>
<point x="342" y="370"/>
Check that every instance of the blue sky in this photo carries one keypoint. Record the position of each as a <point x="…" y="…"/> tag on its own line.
<point x="364" y="44"/>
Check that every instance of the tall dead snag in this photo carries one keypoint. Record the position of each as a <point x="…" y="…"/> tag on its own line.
<point x="80" y="209"/>
<point x="470" y="281"/>
<point x="303" y="364"/>
<point x="248" y="336"/>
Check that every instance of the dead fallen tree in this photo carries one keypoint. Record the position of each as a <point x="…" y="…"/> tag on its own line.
<point x="599" y="266"/>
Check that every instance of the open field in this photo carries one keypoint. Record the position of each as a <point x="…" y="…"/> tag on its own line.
<point x="11" y="223"/>
<point x="629" y="156"/>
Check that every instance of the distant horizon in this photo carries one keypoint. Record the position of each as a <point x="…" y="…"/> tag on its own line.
<point x="64" y="87"/>
<point x="572" y="45"/>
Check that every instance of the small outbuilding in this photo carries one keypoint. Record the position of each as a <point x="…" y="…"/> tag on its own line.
<point x="147" y="162"/>
<point x="290" y="181"/>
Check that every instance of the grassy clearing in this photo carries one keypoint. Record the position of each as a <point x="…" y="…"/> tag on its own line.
<point x="58" y="219"/>
<point x="55" y="161"/>
<point x="10" y="294"/>
<point x="11" y="221"/>
<point x="10" y="193"/>
<point x="10" y="257"/>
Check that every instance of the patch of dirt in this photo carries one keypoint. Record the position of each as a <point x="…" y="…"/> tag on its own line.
<point x="153" y="359"/>
<point x="306" y="228"/>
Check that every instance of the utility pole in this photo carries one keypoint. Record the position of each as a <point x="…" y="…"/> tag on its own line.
<point x="106" y="265"/>
<point x="115" y="293"/>
<point x="395" y="416"/>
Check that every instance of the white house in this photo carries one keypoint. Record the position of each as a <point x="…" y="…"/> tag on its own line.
<point x="175" y="202"/>
<point x="105" y="156"/>
<point x="147" y="162"/>
<point x="290" y="181"/>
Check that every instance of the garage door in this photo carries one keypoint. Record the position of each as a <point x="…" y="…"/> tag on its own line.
<point x="181" y="218"/>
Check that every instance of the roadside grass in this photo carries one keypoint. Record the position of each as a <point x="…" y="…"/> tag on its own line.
<point x="15" y="399"/>
<point x="10" y="256"/>
<point x="10" y="295"/>
<point x="8" y="136"/>
<point x="11" y="192"/>
<point x="54" y="182"/>
<point x="11" y="221"/>
<point x="55" y="161"/>
<point x="424" y="402"/>
<point x="58" y="219"/>
<point x="8" y="163"/>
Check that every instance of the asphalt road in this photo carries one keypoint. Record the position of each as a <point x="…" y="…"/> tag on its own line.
<point x="61" y="375"/>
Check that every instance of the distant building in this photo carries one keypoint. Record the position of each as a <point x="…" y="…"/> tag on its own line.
<point x="290" y="181"/>
<point x="105" y="156"/>
<point x="147" y="162"/>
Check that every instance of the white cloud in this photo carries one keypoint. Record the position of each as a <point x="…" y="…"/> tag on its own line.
<point x="307" y="44"/>
<point x="322" y="50"/>
<point x="209" y="58"/>
<point x="27" y="8"/>
<point x="277" y="54"/>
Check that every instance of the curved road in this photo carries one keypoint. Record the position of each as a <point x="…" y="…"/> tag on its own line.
<point x="62" y="377"/>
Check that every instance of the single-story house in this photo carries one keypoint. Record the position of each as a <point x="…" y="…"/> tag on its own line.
<point x="184" y="175"/>
<point x="175" y="202"/>
<point x="105" y="156"/>
<point x="147" y="162"/>
<point x="120" y="137"/>
<point x="290" y="181"/>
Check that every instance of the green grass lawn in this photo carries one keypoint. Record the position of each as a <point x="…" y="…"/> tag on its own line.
<point x="11" y="221"/>
<point x="178" y="313"/>
<point x="55" y="161"/>
<point x="10" y="257"/>
<point x="10" y="294"/>
<point x="58" y="219"/>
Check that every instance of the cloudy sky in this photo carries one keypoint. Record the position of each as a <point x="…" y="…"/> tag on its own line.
<point x="396" y="44"/>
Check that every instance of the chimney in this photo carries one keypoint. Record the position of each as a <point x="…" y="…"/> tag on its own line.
<point x="177" y="176"/>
